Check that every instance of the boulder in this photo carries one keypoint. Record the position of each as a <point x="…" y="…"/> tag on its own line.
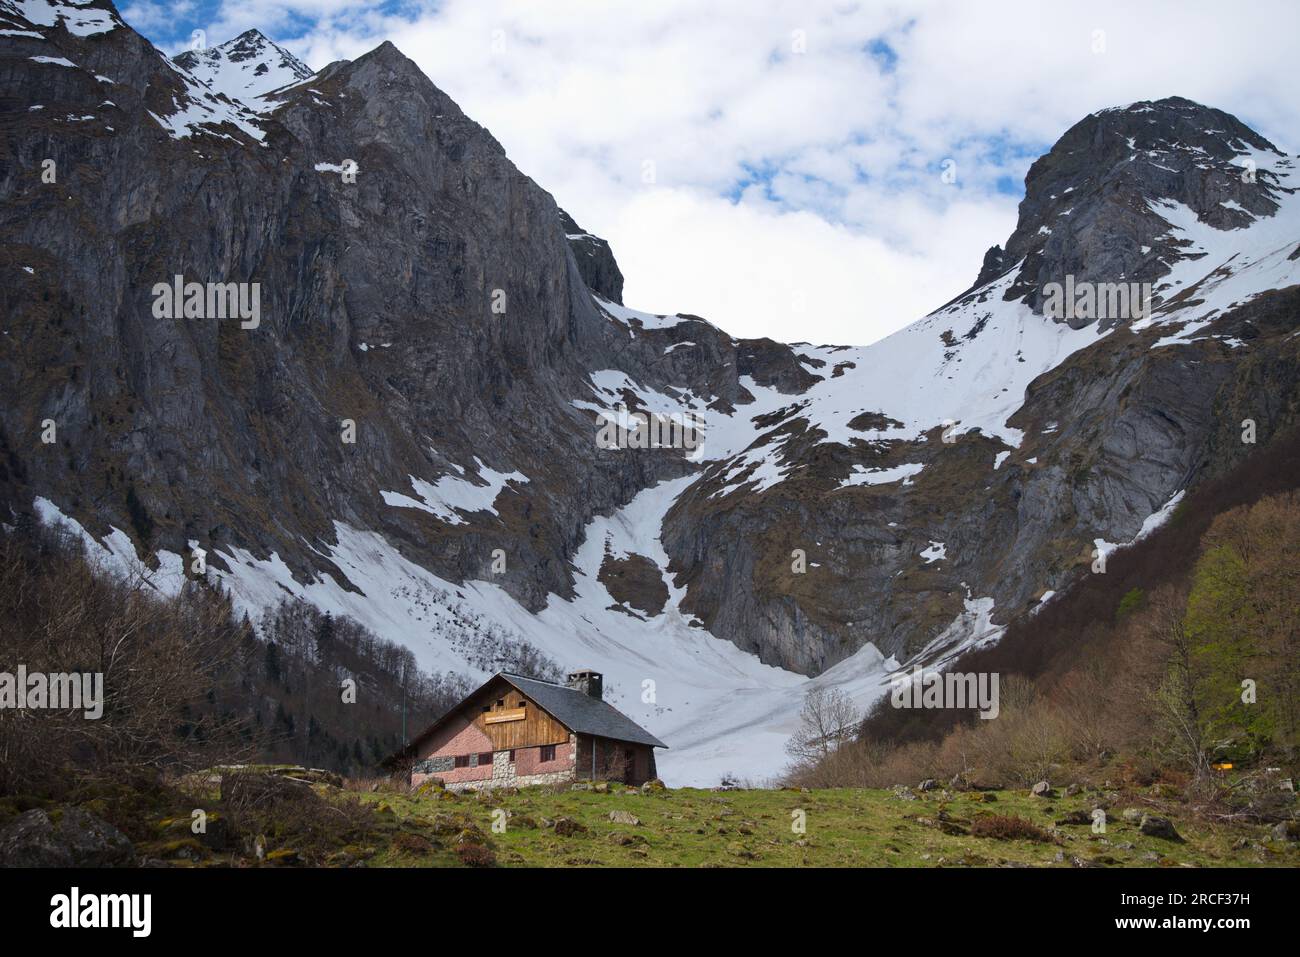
<point x="1075" y="818"/>
<point x="567" y="827"/>
<point x="624" y="817"/>
<point x="1160" y="827"/>
<point x="1288" y="831"/>
<point x="215" y="835"/>
<point x="1042" y="790"/>
<point x="64" y="837"/>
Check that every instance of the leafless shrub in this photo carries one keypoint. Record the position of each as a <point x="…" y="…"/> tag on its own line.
<point x="1008" y="827"/>
<point x="476" y="855"/>
<point x="165" y="662"/>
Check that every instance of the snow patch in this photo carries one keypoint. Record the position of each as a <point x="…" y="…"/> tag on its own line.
<point x="450" y="496"/>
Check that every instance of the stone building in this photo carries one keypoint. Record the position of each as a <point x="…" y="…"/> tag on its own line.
<point x="516" y="731"/>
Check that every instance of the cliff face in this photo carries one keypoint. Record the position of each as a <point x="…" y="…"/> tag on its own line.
<point x="436" y="345"/>
<point x="1068" y="431"/>
<point x="595" y="261"/>
<point x="428" y="304"/>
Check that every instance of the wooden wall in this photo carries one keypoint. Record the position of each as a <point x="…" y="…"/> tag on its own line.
<point x="509" y="726"/>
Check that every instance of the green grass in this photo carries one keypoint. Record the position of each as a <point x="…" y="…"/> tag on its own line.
<point x="844" y="828"/>
<point x="678" y="828"/>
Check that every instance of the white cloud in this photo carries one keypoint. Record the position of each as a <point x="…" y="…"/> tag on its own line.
<point x="782" y="174"/>
<point x="793" y="275"/>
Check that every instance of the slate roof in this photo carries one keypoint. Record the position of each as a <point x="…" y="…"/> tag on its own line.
<point x="577" y="711"/>
<point x="582" y="713"/>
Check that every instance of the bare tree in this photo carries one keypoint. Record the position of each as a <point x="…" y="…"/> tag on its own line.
<point x="826" y="721"/>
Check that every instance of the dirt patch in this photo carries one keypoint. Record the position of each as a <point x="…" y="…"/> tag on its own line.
<point x="634" y="581"/>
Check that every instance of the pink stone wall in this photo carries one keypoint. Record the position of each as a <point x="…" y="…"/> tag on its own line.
<point x="529" y="760"/>
<point x="457" y="736"/>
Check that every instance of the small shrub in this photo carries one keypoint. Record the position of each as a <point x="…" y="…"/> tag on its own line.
<point x="409" y="843"/>
<point x="1130" y="603"/>
<point x="476" y="855"/>
<point x="1008" y="827"/>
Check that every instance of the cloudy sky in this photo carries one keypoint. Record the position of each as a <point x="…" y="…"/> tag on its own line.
<point x="812" y="170"/>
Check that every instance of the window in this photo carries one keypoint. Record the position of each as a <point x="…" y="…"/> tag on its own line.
<point x="462" y="760"/>
<point x="485" y="757"/>
<point x="487" y="708"/>
<point x="501" y="702"/>
<point x="512" y="755"/>
<point x="548" y="752"/>
<point x="523" y="704"/>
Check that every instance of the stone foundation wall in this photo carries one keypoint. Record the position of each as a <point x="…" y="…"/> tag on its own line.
<point x="512" y="780"/>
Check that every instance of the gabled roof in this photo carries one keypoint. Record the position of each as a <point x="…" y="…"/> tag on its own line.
<point x="582" y="713"/>
<point x="577" y="711"/>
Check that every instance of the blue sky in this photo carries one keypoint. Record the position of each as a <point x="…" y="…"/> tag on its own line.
<point x="796" y="151"/>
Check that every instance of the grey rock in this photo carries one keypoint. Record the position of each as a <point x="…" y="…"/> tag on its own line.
<point x="1288" y="831"/>
<point x="66" y="837"/>
<point x="1160" y="827"/>
<point x="595" y="260"/>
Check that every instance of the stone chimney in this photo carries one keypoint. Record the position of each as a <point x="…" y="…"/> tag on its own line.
<point x="588" y="682"/>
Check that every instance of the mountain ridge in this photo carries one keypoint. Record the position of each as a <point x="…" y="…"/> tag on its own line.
<point x="474" y="429"/>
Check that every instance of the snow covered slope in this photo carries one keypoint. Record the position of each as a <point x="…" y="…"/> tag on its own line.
<point x="245" y="69"/>
<point x="936" y="484"/>
<point x="719" y="708"/>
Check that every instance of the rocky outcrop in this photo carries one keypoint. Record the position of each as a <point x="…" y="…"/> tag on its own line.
<point x="63" y="837"/>
<point x="595" y="261"/>
<point x="425" y="321"/>
<point x="634" y="581"/>
<point x="1097" y="205"/>
<point x="1110" y="434"/>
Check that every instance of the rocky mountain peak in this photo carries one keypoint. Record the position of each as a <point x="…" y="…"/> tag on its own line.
<point x="596" y="261"/>
<point x="246" y="68"/>
<point x="1101" y="205"/>
<point x="409" y="433"/>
